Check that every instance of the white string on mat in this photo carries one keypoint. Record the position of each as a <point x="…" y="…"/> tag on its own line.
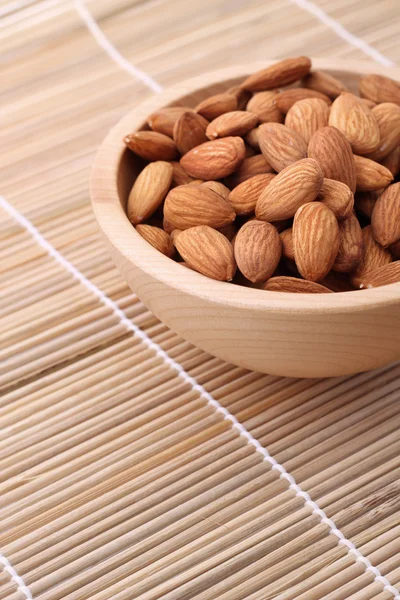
<point x="15" y="577"/>
<point x="53" y="252"/>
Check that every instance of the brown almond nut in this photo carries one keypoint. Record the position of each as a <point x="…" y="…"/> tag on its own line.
<point x="307" y="116"/>
<point x="370" y="175"/>
<point x="356" y="122"/>
<point x="286" y="99"/>
<point x="158" y="238"/>
<point x="388" y="118"/>
<point x="189" y="131"/>
<point x="149" y="190"/>
<point x="395" y="249"/>
<point x="385" y="219"/>
<point x="368" y="103"/>
<point x="392" y="162"/>
<point x="255" y="165"/>
<point x="187" y="206"/>
<point x="379" y="88"/>
<point x="264" y="106"/>
<point x="279" y="74"/>
<point x="338" y="197"/>
<point x="365" y="202"/>
<point x="237" y="122"/>
<point x="242" y="96"/>
<point x="280" y="145"/>
<point x="179" y="175"/>
<point x="164" y="119"/>
<point x="218" y="188"/>
<point x="244" y="196"/>
<point x="333" y="152"/>
<point x="287" y="243"/>
<point x="151" y="145"/>
<point x="251" y="138"/>
<point x="196" y="182"/>
<point x="215" y="159"/>
<point x="296" y="185"/>
<point x="324" y="83"/>
<point x="207" y="251"/>
<point x="257" y="250"/>
<point x="294" y="285"/>
<point x="351" y="245"/>
<point x="217" y="105"/>
<point x="229" y="231"/>
<point x="374" y="257"/>
<point x="315" y="240"/>
<point x="337" y="282"/>
<point x="174" y="234"/>
<point x="383" y="276"/>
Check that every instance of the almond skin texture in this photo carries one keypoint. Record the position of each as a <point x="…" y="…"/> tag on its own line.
<point x="392" y="162"/>
<point x="151" y="145"/>
<point x="179" y="175"/>
<point x="315" y="240"/>
<point x="216" y="159"/>
<point x="217" y="105"/>
<point x="333" y="152"/>
<point x="281" y="73"/>
<point x="388" y="119"/>
<point x="163" y="120"/>
<point x="158" y="238"/>
<point x="382" y="276"/>
<point x="280" y="145"/>
<point x="244" y="196"/>
<point x="351" y="246"/>
<point x="294" y="285"/>
<point x="251" y="138"/>
<point x="255" y="165"/>
<point x="189" y="131"/>
<point x="296" y="185"/>
<point x="379" y="88"/>
<point x="356" y="122"/>
<point x="385" y="219"/>
<point x="149" y="190"/>
<point x="374" y="257"/>
<point x="207" y="251"/>
<point x="187" y="206"/>
<point x="257" y="250"/>
<point x="264" y="106"/>
<point x="286" y="99"/>
<point x="370" y="175"/>
<point x="307" y="116"/>
<point x="324" y="83"/>
<point x="218" y="188"/>
<point x="338" y="197"/>
<point x="287" y="243"/>
<point x="237" y="122"/>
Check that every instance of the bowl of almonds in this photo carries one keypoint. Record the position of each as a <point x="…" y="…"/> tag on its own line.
<point x="256" y="211"/>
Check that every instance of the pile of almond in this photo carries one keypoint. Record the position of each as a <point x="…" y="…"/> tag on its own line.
<point x="289" y="189"/>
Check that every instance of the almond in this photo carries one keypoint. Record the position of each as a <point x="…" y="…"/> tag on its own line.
<point x="174" y="234"/>
<point x="383" y="276"/>
<point x="279" y="74"/>
<point x="218" y="188"/>
<point x="380" y="88"/>
<point x="385" y="219"/>
<point x="324" y="83"/>
<point x="296" y="185"/>
<point x="179" y="175"/>
<point x="149" y="190"/>
<point x="287" y="243"/>
<point x="392" y="162"/>
<point x="395" y="249"/>
<point x="351" y="245"/>
<point x="294" y="285"/>
<point x="257" y="250"/>
<point x="237" y="122"/>
<point x="151" y="145"/>
<point x="217" y="105"/>
<point x="307" y="116"/>
<point x="264" y="106"/>
<point x="280" y="145"/>
<point x="370" y="175"/>
<point x="315" y="240"/>
<point x="286" y="99"/>
<point x="333" y="152"/>
<point x="164" y="119"/>
<point x="158" y="238"/>
<point x="188" y="205"/>
<point x="374" y="257"/>
<point x="388" y="119"/>
<point x="242" y="96"/>
<point x="255" y="165"/>
<point x="167" y="226"/>
<point x="207" y="251"/>
<point x="189" y="131"/>
<point x="251" y="138"/>
<point x="216" y="159"/>
<point x="356" y="122"/>
<point x="365" y="202"/>
<point x="244" y="196"/>
<point x="337" y="196"/>
<point x="368" y="103"/>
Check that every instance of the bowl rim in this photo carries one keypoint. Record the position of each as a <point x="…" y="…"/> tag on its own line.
<point x="116" y="227"/>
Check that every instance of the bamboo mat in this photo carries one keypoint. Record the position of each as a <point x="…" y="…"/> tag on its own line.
<point x="134" y="465"/>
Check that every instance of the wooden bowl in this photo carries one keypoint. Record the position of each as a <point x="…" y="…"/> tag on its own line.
<point x="297" y="335"/>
